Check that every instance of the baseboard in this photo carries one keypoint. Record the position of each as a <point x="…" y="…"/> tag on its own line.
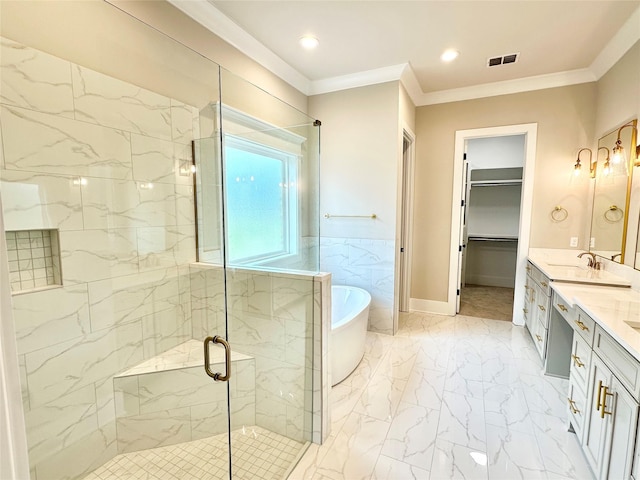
<point x="431" y="306"/>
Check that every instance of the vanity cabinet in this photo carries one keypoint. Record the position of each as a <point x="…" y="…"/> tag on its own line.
<point x="539" y="335"/>
<point x="529" y="298"/>
<point x="604" y="389"/>
<point x="539" y="307"/>
<point x="577" y="400"/>
<point x="579" y="368"/>
<point x="580" y="362"/>
<point x="611" y="420"/>
<point x="635" y="469"/>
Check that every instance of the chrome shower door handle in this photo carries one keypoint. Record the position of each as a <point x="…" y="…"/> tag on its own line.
<point x="218" y="377"/>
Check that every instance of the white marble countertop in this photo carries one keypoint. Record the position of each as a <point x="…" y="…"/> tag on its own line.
<point x="568" y="269"/>
<point x="616" y="310"/>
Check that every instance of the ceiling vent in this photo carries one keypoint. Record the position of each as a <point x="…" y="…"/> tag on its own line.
<point x="502" y="60"/>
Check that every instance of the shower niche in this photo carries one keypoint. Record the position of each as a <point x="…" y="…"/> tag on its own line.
<point x="185" y="201"/>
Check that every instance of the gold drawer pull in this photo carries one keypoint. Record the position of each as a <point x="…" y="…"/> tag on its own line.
<point x="525" y="310"/>
<point x="562" y="307"/>
<point x="541" y="307"/>
<point x="572" y="406"/>
<point x="539" y="338"/>
<point x="528" y="268"/>
<point x="576" y="361"/>
<point x="581" y="325"/>
<point x="544" y="284"/>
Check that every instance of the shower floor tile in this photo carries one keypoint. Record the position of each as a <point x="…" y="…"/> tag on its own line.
<point x="257" y="454"/>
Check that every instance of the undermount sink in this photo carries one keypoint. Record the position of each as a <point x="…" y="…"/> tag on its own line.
<point x="633" y="313"/>
<point x="573" y="265"/>
<point x="567" y="267"/>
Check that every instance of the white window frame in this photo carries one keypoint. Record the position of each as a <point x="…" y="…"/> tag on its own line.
<point x="291" y="214"/>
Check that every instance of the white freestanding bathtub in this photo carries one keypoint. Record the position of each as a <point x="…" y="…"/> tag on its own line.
<point x="349" y="320"/>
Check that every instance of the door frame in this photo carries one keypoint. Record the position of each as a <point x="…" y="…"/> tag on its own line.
<point x="530" y="131"/>
<point x="404" y="227"/>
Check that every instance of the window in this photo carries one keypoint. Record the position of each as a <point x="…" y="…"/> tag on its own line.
<point x="261" y="200"/>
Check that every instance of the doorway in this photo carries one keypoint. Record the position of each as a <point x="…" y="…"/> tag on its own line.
<point x="460" y="231"/>
<point x="406" y="207"/>
<point x="491" y="218"/>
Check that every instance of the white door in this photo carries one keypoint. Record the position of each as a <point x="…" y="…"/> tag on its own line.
<point x="462" y="243"/>
<point x="405" y="223"/>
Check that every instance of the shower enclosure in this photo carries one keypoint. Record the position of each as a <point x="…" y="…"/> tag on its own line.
<point x="152" y="200"/>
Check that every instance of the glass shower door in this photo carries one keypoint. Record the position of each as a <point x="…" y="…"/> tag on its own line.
<point x="208" y="293"/>
<point x="270" y="181"/>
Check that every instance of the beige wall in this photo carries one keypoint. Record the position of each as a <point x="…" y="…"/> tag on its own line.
<point x="179" y="26"/>
<point x="359" y="158"/>
<point x="566" y="121"/>
<point x="618" y="93"/>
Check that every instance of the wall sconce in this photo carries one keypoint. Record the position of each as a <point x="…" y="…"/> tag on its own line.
<point x="606" y="168"/>
<point x="577" y="168"/>
<point x="619" y="155"/>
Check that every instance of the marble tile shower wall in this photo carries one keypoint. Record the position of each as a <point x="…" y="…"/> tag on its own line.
<point x="97" y="159"/>
<point x="271" y="317"/>
<point x="274" y="318"/>
<point x="367" y="264"/>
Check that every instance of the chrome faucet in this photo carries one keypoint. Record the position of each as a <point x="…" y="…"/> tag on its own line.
<point x="592" y="260"/>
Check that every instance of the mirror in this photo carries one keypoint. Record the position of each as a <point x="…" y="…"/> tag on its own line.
<point x="636" y="263"/>
<point x="609" y="220"/>
<point x="634" y="219"/>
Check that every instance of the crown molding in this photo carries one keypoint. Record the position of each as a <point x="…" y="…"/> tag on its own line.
<point x="360" y="79"/>
<point x="207" y="15"/>
<point x="411" y="83"/>
<point x="622" y="41"/>
<point x="519" y="85"/>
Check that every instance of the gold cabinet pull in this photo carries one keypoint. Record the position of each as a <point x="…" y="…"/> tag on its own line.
<point x="528" y="268"/>
<point x="544" y="284"/>
<point x="599" y="394"/>
<point x="576" y="361"/>
<point x="572" y="406"/>
<point x="581" y="325"/>
<point x="525" y="310"/>
<point x="539" y="338"/>
<point x="541" y="307"/>
<point x="562" y="307"/>
<point x="603" y="392"/>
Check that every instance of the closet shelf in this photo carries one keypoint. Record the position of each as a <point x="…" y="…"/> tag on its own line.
<point x="495" y="183"/>
<point x="492" y="238"/>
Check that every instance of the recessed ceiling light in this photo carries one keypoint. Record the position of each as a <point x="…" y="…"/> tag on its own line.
<point x="449" y="55"/>
<point x="309" y="42"/>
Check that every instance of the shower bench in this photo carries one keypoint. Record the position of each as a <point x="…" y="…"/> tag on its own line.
<point x="169" y="398"/>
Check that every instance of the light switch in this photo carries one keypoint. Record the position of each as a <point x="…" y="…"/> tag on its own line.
<point x="573" y="242"/>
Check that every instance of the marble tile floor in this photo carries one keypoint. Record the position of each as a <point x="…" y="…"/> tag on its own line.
<point x="448" y="398"/>
<point x="487" y="302"/>
<point x="257" y="454"/>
